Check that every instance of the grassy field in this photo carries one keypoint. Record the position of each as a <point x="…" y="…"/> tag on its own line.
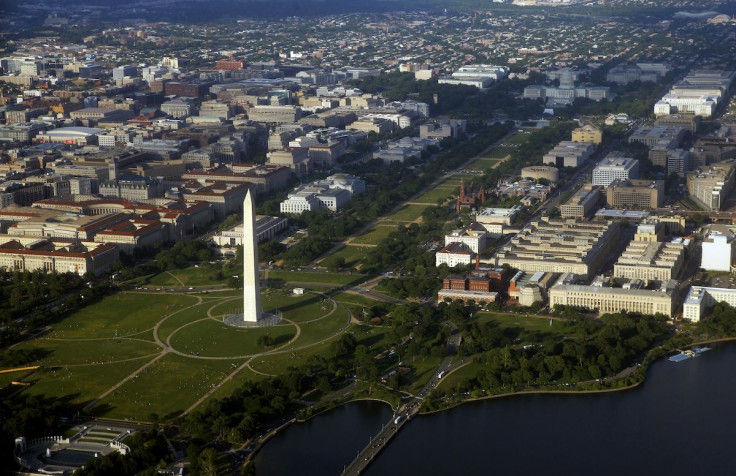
<point x="209" y="338"/>
<point x="183" y="317"/>
<point x="530" y="329"/>
<point x="463" y="373"/>
<point x="354" y="299"/>
<point x="338" y="279"/>
<point x="352" y="255"/>
<point x="498" y="152"/>
<point x="375" y="235"/>
<point x="322" y="329"/>
<point x="441" y="192"/>
<point x="168" y="386"/>
<point x="81" y="384"/>
<point x="81" y="358"/>
<point x="483" y="164"/>
<point x="423" y="370"/>
<point x="120" y="315"/>
<point x="517" y="139"/>
<point x="201" y="276"/>
<point x="407" y="213"/>
<point x="71" y="352"/>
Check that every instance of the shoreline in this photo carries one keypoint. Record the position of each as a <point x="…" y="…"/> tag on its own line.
<point x="632" y="386"/>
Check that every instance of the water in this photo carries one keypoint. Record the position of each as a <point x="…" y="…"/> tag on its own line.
<point x="681" y="421"/>
<point x="324" y="444"/>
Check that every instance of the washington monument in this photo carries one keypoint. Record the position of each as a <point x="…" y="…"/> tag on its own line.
<point x="252" y="311"/>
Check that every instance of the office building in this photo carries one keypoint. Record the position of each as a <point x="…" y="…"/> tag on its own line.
<point x="618" y="168"/>
<point x="699" y="299"/>
<point x="560" y="246"/>
<point x="587" y="133"/>
<point x="710" y="185"/>
<point x="583" y="203"/>
<point x="613" y="300"/>
<point x="475" y="237"/>
<point x="650" y="261"/>
<point x="718" y="249"/>
<point x="635" y="194"/>
<point x="569" y="154"/>
<point x="454" y="254"/>
<point x="58" y="256"/>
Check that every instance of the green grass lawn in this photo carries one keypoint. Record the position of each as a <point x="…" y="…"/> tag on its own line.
<point x="170" y="385"/>
<point x="463" y="373"/>
<point x="236" y="382"/>
<point x="371" y="336"/>
<point x="407" y="213"/>
<point x="209" y="338"/>
<point x="498" y="152"/>
<point x="483" y="164"/>
<point x="184" y="317"/>
<point x="530" y="327"/>
<point x="63" y="352"/>
<point x="352" y="255"/>
<point x="441" y="192"/>
<point x="323" y="329"/>
<point x="338" y="279"/>
<point x="277" y="363"/>
<point x="201" y="276"/>
<point x="423" y="370"/>
<point x="354" y="299"/>
<point x="517" y="139"/>
<point x="120" y="314"/>
<point x="375" y="235"/>
<point x="81" y="384"/>
<point x="81" y="358"/>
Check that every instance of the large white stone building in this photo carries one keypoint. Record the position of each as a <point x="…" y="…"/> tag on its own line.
<point x="614" y="168"/>
<point x="454" y="254"/>
<point x="613" y="300"/>
<point x="718" y="249"/>
<point x="475" y="237"/>
<point x="699" y="299"/>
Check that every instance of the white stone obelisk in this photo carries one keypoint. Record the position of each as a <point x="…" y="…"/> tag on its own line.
<point x="251" y="280"/>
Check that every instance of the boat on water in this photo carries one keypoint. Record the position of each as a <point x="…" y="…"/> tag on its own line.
<point x="688" y="354"/>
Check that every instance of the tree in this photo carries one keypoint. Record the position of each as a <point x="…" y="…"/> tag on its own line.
<point x="206" y="462"/>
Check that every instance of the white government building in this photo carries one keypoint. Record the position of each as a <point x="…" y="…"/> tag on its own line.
<point x="718" y="247"/>
<point x="699" y="299"/>
<point x="331" y="193"/>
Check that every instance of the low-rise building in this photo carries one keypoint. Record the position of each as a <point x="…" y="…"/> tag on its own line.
<point x="709" y="186"/>
<point x="135" y="233"/>
<point x="443" y="129"/>
<point x="718" y="249"/>
<point x="635" y="194"/>
<point x="455" y="254"/>
<point x="474" y="236"/>
<point x="58" y="256"/>
<point x="267" y="228"/>
<point x="569" y="154"/>
<point x="587" y="133"/>
<point x="493" y="220"/>
<point x="583" y="202"/>
<point x="537" y="172"/>
<point x="615" y="168"/>
<point x="650" y="261"/>
<point x="613" y="300"/>
<point x="560" y="246"/>
<point x="699" y="299"/>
